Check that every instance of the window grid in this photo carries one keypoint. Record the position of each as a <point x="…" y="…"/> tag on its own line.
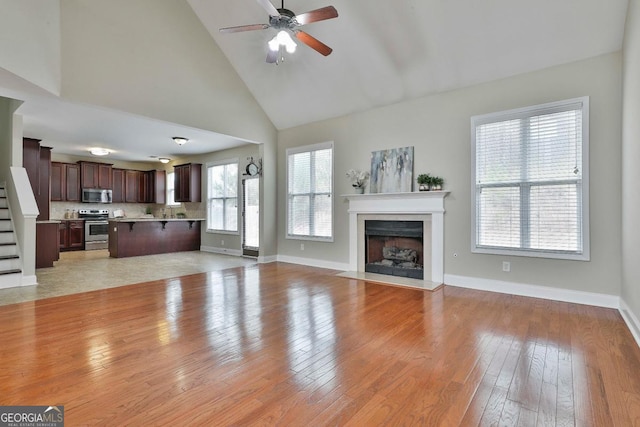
<point x="222" y="200"/>
<point x="310" y="192"/>
<point x="530" y="181"/>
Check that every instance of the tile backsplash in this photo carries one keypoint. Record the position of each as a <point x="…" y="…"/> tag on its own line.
<point x="131" y="210"/>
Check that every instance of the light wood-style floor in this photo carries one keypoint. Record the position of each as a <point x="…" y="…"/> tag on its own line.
<point x="279" y="344"/>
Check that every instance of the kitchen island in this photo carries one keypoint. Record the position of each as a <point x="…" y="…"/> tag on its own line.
<point x="147" y="236"/>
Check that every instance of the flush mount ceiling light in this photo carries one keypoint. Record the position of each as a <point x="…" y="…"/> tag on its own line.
<point x="98" y="151"/>
<point x="180" y="140"/>
<point x="164" y="160"/>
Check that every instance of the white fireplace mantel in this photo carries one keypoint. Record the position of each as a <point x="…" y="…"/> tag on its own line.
<point x="416" y="203"/>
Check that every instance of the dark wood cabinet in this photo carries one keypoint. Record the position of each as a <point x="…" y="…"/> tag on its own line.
<point x="65" y="182"/>
<point x="37" y="162"/>
<point x="58" y="182"/>
<point x="136" y="238"/>
<point x="46" y="249"/>
<point x="71" y="235"/>
<point x="95" y="175"/>
<point x="153" y="186"/>
<point x="132" y="186"/>
<point x="187" y="182"/>
<point x="118" y="182"/>
<point x="143" y="189"/>
<point x="73" y="182"/>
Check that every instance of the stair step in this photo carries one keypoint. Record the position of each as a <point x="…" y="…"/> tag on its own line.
<point x="8" y="249"/>
<point x="10" y="278"/>
<point x="10" y="262"/>
<point x="5" y="224"/>
<point x="7" y="237"/>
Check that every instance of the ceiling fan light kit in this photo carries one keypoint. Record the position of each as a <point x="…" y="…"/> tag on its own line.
<point x="287" y="22"/>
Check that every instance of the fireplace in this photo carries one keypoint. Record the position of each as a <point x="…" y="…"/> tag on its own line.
<point x="394" y="248"/>
<point x="425" y="208"/>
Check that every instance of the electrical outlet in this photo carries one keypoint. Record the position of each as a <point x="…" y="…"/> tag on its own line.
<point x="302" y="246"/>
<point x="506" y="266"/>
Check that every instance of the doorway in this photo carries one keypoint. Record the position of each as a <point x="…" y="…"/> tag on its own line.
<point x="251" y="217"/>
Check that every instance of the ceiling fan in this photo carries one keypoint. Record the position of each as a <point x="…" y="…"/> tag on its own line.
<point x="287" y="22"/>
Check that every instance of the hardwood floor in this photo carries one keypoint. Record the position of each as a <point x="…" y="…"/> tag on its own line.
<point x="280" y="344"/>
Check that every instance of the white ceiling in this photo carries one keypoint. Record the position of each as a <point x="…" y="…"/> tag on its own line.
<point x="383" y="53"/>
<point x="387" y="51"/>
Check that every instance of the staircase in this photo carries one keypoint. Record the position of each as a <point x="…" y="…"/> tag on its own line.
<point x="10" y="263"/>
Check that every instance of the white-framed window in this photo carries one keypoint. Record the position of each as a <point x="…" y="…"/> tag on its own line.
<point x="310" y="192"/>
<point x="171" y="190"/>
<point x="222" y="196"/>
<point x="530" y="189"/>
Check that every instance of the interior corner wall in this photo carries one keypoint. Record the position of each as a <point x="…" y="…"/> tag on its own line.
<point x="156" y="59"/>
<point x="438" y="127"/>
<point x="6" y="138"/>
<point x="630" y="154"/>
<point x="30" y="41"/>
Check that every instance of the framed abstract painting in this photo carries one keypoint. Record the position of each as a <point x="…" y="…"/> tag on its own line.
<point x="392" y="171"/>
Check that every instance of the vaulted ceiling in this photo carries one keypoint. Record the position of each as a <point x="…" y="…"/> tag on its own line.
<point x="388" y="51"/>
<point x="384" y="52"/>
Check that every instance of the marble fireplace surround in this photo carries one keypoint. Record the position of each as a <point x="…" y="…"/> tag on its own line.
<point x="426" y="206"/>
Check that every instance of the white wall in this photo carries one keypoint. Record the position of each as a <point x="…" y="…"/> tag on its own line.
<point x="438" y="127"/>
<point x="155" y="58"/>
<point x="30" y="41"/>
<point x="631" y="156"/>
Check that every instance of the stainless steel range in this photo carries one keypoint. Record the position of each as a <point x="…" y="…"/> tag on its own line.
<point x="96" y="228"/>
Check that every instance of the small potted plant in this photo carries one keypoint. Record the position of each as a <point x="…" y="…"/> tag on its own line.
<point x="424" y="182"/>
<point x="436" y="183"/>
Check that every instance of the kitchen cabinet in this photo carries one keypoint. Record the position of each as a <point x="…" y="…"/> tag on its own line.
<point x="132" y="186"/>
<point x="36" y="159"/>
<point x="95" y="175"/>
<point x="65" y="182"/>
<point x="71" y="235"/>
<point x="187" y="182"/>
<point x="46" y="249"/>
<point x="119" y="188"/>
<point x="153" y="186"/>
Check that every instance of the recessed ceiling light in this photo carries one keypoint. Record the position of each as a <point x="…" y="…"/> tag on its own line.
<point x="180" y="140"/>
<point x="164" y="160"/>
<point x="98" y="151"/>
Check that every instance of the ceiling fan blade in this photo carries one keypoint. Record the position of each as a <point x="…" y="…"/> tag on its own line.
<point x="313" y="43"/>
<point x="244" y="28"/>
<point x="271" y="9"/>
<point x="317" y="15"/>
<point x="272" y="56"/>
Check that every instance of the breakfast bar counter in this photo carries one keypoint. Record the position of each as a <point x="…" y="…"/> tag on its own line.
<point x="147" y="236"/>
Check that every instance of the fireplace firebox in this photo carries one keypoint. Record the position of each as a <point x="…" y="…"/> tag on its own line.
<point x="394" y="248"/>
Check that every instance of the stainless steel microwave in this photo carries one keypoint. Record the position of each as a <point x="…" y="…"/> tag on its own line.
<point x="96" y="195"/>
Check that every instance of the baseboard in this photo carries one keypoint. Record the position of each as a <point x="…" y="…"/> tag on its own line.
<point x="29" y="280"/>
<point x="631" y="320"/>
<point x="314" y="262"/>
<point x="267" y="259"/>
<point x="223" y="251"/>
<point x="535" y="291"/>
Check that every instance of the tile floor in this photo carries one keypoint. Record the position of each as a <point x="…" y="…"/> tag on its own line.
<point x="82" y="271"/>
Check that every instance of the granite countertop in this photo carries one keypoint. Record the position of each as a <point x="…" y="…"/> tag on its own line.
<point x="154" y="219"/>
<point x="49" y="221"/>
